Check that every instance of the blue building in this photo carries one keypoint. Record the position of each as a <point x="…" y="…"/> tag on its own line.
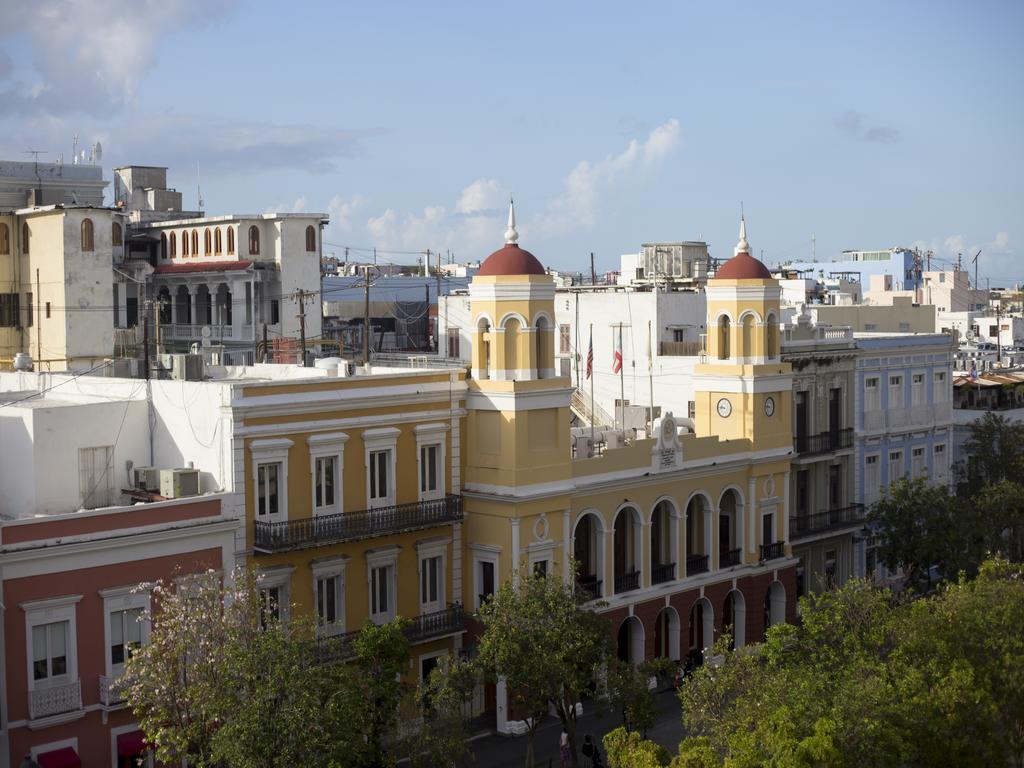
<point x="898" y="262"/>
<point x="903" y="412"/>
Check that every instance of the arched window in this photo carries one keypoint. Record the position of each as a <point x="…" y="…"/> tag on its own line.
<point x="184" y="243"/>
<point x="163" y="245"/>
<point x="207" y="242"/>
<point x="231" y="240"/>
<point x="511" y="340"/>
<point x="25" y="237"/>
<point x="773" y="337"/>
<point x="5" y="239"/>
<point x="723" y="338"/>
<point x="254" y="240"/>
<point x="195" y="242"/>
<point x="87" y="239"/>
<point x="545" y="349"/>
<point x="748" y="336"/>
<point x="174" y="245"/>
<point x="116" y="234"/>
<point x="310" y="239"/>
<point x="217" y="241"/>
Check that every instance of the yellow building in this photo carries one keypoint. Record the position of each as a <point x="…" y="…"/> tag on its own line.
<point x="352" y="501"/>
<point x="683" y="533"/>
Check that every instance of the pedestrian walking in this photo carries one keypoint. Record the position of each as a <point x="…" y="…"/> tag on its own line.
<point x="565" y="751"/>
<point x="587" y="750"/>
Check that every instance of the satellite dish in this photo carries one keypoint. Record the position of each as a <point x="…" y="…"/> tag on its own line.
<point x="98" y="151"/>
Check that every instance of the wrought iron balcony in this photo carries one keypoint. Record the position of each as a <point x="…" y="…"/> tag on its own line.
<point x="111" y="694"/>
<point x="826" y="442"/>
<point x="54" y="700"/>
<point x="697" y="564"/>
<point x="662" y="572"/>
<point x="352" y="526"/>
<point x="426" y="626"/>
<point x="589" y="586"/>
<point x="730" y="558"/>
<point x="829" y="520"/>
<point x="773" y="551"/>
<point x="627" y="582"/>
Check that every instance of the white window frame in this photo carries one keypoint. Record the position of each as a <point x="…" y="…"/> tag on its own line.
<point x="327" y="568"/>
<point x="118" y="599"/>
<point x="940" y="392"/>
<point x="382" y="439"/>
<point x="51" y="611"/>
<point x="872" y="489"/>
<point x="918" y="461"/>
<point x="273" y="451"/>
<point x="426" y="436"/>
<point x="425" y="657"/>
<point x="894" y="476"/>
<point x="325" y="446"/>
<point x="121" y="731"/>
<point x="53" y="746"/>
<point x="483" y="553"/>
<point x="426" y="550"/>
<point x="544" y="552"/>
<point x="918" y="393"/>
<point x="383" y="557"/>
<point x="278" y="577"/>
<point x="872" y="396"/>
<point x="897" y="389"/>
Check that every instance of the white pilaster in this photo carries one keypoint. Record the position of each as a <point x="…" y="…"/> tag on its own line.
<point x="515" y="550"/>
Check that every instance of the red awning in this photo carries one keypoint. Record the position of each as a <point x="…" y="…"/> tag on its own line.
<point x="131" y="744"/>
<point x="65" y="757"/>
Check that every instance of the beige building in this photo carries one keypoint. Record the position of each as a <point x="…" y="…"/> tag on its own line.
<point x="56" y="291"/>
<point x="901" y="316"/>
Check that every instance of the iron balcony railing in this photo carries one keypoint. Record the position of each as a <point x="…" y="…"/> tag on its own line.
<point x="424" y="627"/>
<point x="826" y="442"/>
<point x="830" y="519"/>
<point x="730" y="558"/>
<point x="773" y="551"/>
<point x="697" y="564"/>
<point x="627" y="582"/>
<point x="662" y="572"/>
<point x="589" y="586"/>
<point x="352" y="526"/>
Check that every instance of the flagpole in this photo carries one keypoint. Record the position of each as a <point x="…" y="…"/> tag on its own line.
<point x="622" y="383"/>
<point x="650" y="375"/>
<point x="590" y="375"/>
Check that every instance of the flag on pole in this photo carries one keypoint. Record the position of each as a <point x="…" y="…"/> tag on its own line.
<point x="590" y="355"/>
<point x="617" y="353"/>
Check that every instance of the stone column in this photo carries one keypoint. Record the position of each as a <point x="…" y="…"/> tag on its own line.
<point x="193" y="295"/>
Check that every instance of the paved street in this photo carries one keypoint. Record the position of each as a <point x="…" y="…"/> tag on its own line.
<point x="510" y="752"/>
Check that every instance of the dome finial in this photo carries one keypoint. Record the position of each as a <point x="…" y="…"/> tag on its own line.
<point x="510" y="234"/>
<point x="742" y="246"/>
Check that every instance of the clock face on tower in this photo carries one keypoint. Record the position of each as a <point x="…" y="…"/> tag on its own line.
<point x="724" y="407"/>
<point x="769" y="406"/>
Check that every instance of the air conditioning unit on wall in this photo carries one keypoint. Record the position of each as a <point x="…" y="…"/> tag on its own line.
<point x="146" y="478"/>
<point x="178" y="483"/>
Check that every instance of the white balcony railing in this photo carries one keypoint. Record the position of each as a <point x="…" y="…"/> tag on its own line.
<point x="195" y="332"/>
<point x="111" y="693"/>
<point x="874" y="420"/>
<point x="54" y="700"/>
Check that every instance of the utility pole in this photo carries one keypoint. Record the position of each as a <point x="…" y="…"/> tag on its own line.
<point x="593" y="274"/>
<point x="426" y="317"/>
<point x="266" y="345"/>
<point x="437" y="314"/>
<point x="976" y="286"/>
<point x="366" y="315"/>
<point x="145" y="339"/>
<point x="300" y="296"/>
<point x="39" y="322"/>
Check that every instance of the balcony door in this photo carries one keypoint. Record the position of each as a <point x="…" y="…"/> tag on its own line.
<point x="801" y="421"/>
<point x="835" y="416"/>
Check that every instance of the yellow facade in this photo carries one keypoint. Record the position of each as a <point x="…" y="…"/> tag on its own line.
<point x="335" y="549"/>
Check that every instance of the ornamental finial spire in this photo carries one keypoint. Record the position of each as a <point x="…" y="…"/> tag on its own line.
<point x="510" y="234"/>
<point x="742" y="246"/>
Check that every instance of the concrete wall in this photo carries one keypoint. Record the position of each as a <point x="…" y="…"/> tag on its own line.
<point x="901" y="317"/>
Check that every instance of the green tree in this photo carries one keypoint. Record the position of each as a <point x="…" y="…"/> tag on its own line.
<point x="920" y="525"/>
<point x="995" y="449"/>
<point x="626" y="749"/>
<point x="440" y="702"/>
<point x="627" y="690"/>
<point x="999" y="514"/>
<point x="547" y="646"/>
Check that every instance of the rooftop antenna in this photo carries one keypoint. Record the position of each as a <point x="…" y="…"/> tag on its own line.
<point x="97" y="152"/>
<point x="975" y="260"/>
<point x="35" y="159"/>
<point x="199" y="190"/>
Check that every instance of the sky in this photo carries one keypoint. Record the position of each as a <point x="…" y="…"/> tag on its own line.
<point x="834" y="126"/>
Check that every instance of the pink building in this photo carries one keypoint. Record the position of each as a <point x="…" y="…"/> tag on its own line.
<point x="70" y="608"/>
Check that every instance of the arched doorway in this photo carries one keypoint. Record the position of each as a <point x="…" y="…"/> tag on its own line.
<point x="627" y="550"/>
<point x="698" y="535"/>
<point x="630" y="646"/>
<point x="511" y="339"/>
<point x="748" y="337"/>
<point x="774" y="605"/>
<point x="588" y="551"/>
<point x="182" y="306"/>
<point x="483" y="351"/>
<point x="666" y="634"/>
<point x="545" y="355"/>
<point x="734" y="619"/>
<point x="730" y="529"/>
<point x="723" y="337"/>
<point x="701" y="632"/>
<point x="663" y="542"/>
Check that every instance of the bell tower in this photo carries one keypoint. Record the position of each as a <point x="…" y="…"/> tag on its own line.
<point x="518" y="422"/>
<point x="742" y="388"/>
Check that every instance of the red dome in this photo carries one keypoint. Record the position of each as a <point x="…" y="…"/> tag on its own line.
<point x="743" y="266"/>
<point x="511" y="260"/>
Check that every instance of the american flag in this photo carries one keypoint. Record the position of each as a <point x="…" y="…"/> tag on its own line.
<point x="590" y="355"/>
<point x="617" y="354"/>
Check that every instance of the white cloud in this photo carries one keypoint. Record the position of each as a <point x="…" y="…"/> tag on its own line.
<point x="341" y="211"/>
<point x="483" y="195"/>
<point x="577" y="205"/>
<point x="90" y="55"/>
<point x="298" y="206"/>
